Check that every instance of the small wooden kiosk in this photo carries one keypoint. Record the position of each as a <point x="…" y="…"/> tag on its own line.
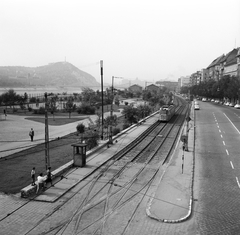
<point x="79" y="154"/>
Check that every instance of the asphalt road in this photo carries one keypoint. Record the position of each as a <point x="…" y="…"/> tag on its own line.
<point x="217" y="176"/>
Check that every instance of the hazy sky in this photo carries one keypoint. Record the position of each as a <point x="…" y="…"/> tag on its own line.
<point x="149" y="40"/>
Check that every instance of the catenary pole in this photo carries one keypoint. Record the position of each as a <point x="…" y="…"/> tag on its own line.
<point x="47" y="159"/>
<point x="101" y="65"/>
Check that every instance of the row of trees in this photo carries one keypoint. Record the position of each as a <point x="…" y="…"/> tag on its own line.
<point x="227" y="88"/>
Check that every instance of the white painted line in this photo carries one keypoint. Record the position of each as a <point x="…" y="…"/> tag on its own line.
<point x="221" y="136"/>
<point x="238" y="182"/>
<point x="232" y="123"/>
<point x="231" y="164"/>
<point x="227" y="152"/>
<point x="220" y="131"/>
<point x="223" y="142"/>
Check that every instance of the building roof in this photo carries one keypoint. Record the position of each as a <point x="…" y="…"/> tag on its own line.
<point x="134" y="85"/>
<point x="217" y="61"/>
<point x="231" y="57"/>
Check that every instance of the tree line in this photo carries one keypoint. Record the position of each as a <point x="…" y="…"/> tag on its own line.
<point x="227" y="88"/>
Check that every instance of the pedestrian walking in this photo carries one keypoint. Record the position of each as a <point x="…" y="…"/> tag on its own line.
<point x="49" y="176"/>
<point x="33" y="176"/>
<point x="40" y="182"/>
<point x="31" y="134"/>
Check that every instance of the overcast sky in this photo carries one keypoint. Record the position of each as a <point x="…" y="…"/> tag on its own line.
<point x="150" y="40"/>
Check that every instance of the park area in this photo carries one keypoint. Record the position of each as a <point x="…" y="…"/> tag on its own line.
<point x="15" y="169"/>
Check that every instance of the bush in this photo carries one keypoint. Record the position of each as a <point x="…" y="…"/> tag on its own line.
<point x="41" y="110"/>
<point x="92" y="140"/>
<point x="30" y="109"/>
<point x="126" y="125"/>
<point x="86" y="109"/>
<point x="116" y="130"/>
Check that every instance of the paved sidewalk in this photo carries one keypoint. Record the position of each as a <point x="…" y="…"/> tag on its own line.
<point x="172" y="200"/>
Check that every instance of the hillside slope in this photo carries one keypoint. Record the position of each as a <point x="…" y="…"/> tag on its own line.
<point x="54" y="74"/>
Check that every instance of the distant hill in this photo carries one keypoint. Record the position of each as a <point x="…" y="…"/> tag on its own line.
<point x="54" y="74"/>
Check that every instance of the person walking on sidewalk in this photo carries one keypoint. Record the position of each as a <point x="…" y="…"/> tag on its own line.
<point x="49" y="176"/>
<point x="31" y="134"/>
<point x="33" y="176"/>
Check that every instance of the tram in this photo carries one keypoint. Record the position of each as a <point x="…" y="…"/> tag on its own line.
<point x="166" y="112"/>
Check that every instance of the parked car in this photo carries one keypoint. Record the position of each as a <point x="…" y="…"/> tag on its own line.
<point x="204" y="99"/>
<point x="237" y="106"/>
<point x="231" y="105"/>
<point x="196" y="107"/>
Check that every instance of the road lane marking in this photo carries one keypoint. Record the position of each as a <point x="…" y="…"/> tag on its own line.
<point x="238" y="182"/>
<point x="231" y="164"/>
<point x="220" y="131"/>
<point x="227" y="152"/>
<point x="232" y="123"/>
<point x="223" y="143"/>
<point x="221" y="136"/>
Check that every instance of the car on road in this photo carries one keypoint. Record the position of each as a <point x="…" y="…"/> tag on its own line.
<point x="237" y="106"/>
<point x="204" y="99"/>
<point x="196" y="107"/>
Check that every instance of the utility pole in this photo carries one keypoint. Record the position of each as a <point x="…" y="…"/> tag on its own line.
<point x="111" y="115"/>
<point x="101" y="65"/>
<point x="47" y="159"/>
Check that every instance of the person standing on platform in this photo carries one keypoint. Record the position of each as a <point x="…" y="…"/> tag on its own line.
<point x="40" y="182"/>
<point x="49" y="176"/>
<point x="33" y="176"/>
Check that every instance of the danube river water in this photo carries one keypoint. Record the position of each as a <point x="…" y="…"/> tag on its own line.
<point x="41" y="90"/>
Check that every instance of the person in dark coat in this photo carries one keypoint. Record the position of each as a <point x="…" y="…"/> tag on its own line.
<point x="31" y="134"/>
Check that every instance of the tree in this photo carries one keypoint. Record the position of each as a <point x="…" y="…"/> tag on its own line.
<point x="10" y="97"/>
<point x="70" y="106"/>
<point x="131" y="114"/>
<point x="81" y="129"/>
<point x="89" y="96"/>
<point x="53" y="104"/>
